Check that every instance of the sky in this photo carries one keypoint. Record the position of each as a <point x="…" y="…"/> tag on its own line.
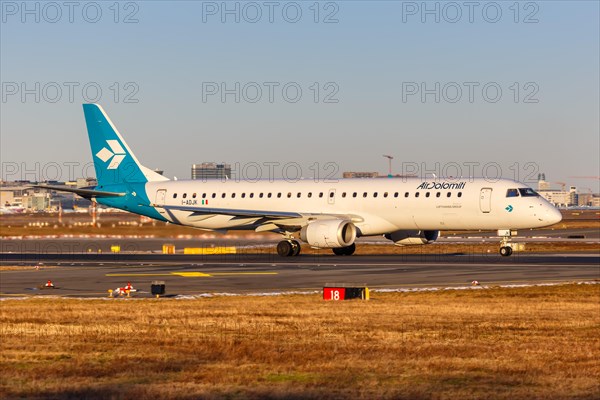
<point x="306" y="88"/>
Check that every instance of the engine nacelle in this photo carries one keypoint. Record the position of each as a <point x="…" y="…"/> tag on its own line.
<point x="407" y="238"/>
<point x="331" y="233"/>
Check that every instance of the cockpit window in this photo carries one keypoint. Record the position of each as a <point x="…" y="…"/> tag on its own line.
<point x="528" y="192"/>
<point x="512" y="193"/>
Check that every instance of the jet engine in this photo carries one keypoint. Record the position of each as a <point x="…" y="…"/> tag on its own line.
<point x="407" y="238"/>
<point x="331" y="233"/>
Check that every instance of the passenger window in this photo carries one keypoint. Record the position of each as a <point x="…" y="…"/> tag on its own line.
<point x="279" y="195"/>
<point x="194" y="196"/>
<point x="417" y="194"/>
<point x="354" y="194"/>
<point x="331" y="194"/>
<point x="309" y="194"/>
<point x="320" y="194"/>
<point x="260" y="195"/>
<point x="174" y="195"/>
<point x="269" y="195"/>
<point x="344" y="194"/>
<point x="512" y="193"/>
<point x="289" y="194"/>
<point x="448" y="194"/>
<point x="427" y="194"/>
<point x="233" y="195"/>
<point x="223" y="195"/>
<point x="299" y="194"/>
<point x="385" y="194"/>
<point x="243" y="195"/>
<point x="406" y="194"/>
<point x="214" y="195"/>
<point x="203" y="195"/>
<point x="459" y="194"/>
<point x="365" y="194"/>
<point x="251" y="195"/>
<point x="375" y="194"/>
<point x="438" y="194"/>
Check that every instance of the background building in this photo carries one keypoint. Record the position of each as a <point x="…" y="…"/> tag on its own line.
<point x="211" y="171"/>
<point x="348" y="175"/>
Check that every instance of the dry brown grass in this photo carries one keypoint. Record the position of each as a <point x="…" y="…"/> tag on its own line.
<point x="541" y="342"/>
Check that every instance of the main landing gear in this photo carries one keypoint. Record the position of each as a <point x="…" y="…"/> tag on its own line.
<point x="288" y="247"/>
<point x="345" y="251"/>
<point x="505" y="244"/>
<point x="291" y="248"/>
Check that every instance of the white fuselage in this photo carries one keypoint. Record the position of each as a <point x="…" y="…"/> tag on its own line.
<point x="375" y="206"/>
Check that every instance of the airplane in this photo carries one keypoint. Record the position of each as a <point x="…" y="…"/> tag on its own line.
<point x="324" y="214"/>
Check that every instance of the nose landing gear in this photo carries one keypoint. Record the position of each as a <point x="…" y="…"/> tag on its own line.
<point x="506" y="251"/>
<point x="505" y="244"/>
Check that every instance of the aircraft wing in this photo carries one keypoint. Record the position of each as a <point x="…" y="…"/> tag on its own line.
<point x="232" y="212"/>
<point x="265" y="220"/>
<point x="83" y="192"/>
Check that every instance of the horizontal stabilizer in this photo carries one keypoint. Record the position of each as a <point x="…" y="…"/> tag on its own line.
<point x="86" y="193"/>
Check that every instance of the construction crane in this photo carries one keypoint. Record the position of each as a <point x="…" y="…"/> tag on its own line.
<point x="390" y="158"/>
<point x="596" y="178"/>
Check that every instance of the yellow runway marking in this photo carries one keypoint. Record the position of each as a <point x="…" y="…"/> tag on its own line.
<point x="194" y="274"/>
<point x="138" y="275"/>
<point x="191" y="274"/>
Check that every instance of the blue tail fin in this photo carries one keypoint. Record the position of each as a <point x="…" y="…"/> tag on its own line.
<point x="113" y="160"/>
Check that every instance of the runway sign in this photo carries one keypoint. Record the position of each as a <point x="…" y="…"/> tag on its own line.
<point x="345" y="293"/>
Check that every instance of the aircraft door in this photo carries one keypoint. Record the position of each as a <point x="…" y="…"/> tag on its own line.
<point x="485" y="200"/>
<point x="160" y="199"/>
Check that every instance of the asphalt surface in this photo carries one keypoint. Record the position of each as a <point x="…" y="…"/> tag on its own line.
<point x="91" y="275"/>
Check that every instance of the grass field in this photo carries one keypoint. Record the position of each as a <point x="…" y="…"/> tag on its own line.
<point x="537" y="342"/>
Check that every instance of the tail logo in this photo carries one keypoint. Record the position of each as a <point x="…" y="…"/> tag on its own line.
<point x="115" y="156"/>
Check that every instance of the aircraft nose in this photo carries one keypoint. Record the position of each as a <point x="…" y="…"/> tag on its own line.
<point x="553" y="215"/>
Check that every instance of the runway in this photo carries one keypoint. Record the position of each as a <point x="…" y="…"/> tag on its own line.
<point x="91" y="275"/>
<point x="129" y="244"/>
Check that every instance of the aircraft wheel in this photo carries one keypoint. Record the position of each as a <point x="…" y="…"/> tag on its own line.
<point x="285" y="248"/>
<point x="296" y="248"/>
<point x="506" y="251"/>
<point x="350" y="249"/>
<point x="344" y="251"/>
